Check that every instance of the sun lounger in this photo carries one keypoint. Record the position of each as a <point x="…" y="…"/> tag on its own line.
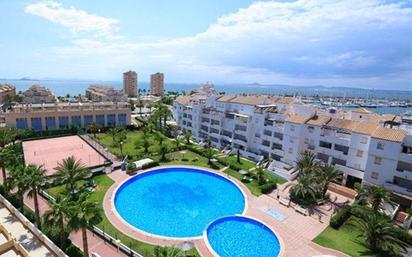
<point x="301" y="209"/>
<point x="284" y="201"/>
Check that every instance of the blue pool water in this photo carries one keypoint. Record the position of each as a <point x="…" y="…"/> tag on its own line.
<point x="237" y="236"/>
<point x="177" y="202"/>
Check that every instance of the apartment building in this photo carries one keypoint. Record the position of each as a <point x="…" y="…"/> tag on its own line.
<point x="157" y="84"/>
<point x="62" y="115"/>
<point x="6" y="91"/>
<point x="281" y="128"/>
<point x="130" y="83"/>
<point x="103" y="93"/>
<point x="37" y="94"/>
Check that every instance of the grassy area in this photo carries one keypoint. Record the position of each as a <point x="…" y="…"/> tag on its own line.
<point x="132" y="146"/>
<point x="344" y="239"/>
<point x="103" y="183"/>
<point x="245" y="164"/>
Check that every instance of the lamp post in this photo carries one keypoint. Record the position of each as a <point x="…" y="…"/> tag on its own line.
<point x="121" y="149"/>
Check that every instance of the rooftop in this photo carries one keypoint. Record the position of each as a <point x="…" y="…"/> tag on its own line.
<point x="394" y="135"/>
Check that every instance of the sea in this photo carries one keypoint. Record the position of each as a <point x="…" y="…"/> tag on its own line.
<point x="76" y="87"/>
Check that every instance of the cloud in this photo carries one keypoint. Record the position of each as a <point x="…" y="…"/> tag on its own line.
<point x="77" y="21"/>
<point x="343" y="43"/>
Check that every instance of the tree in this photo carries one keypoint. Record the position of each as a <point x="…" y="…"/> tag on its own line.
<point x="140" y="105"/>
<point x="260" y="174"/>
<point x="57" y="216"/>
<point x="5" y="157"/>
<point x="188" y="135"/>
<point x="307" y="162"/>
<point x="7" y="135"/>
<point x="209" y="152"/>
<point x="113" y="132"/>
<point x="35" y="179"/>
<point x="163" y="150"/>
<point x="167" y="251"/>
<point x="69" y="171"/>
<point x="84" y="214"/>
<point x="376" y="196"/>
<point x="177" y="143"/>
<point x="326" y="175"/>
<point x="379" y="233"/>
<point x="18" y="178"/>
<point x="160" y="138"/>
<point x="93" y="128"/>
<point x="238" y="156"/>
<point x="120" y="138"/>
<point x="305" y="190"/>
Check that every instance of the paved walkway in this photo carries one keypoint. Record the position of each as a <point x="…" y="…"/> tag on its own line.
<point x="296" y="232"/>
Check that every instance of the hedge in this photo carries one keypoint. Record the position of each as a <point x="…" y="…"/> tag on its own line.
<point x="150" y="165"/>
<point x="340" y="217"/>
<point x="267" y="188"/>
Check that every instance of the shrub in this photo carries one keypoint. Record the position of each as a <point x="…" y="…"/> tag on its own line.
<point x="268" y="187"/>
<point x="150" y="165"/>
<point x="340" y="217"/>
<point x="185" y="160"/>
<point x="73" y="251"/>
<point x="29" y="215"/>
<point x="14" y="200"/>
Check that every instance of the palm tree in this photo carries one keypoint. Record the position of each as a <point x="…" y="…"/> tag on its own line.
<point x="163" y="150"/>
<point x="5" y="136"/>
<point x="69" y="171"/>
<point x="120" y="138"/>
<point x="178" y="143"/>
<point x="209" y="152"/>
<point x="188" y="135"/>
<point x="93" y="128"/>
<point x="35" y="179"/>
<point x="113" y="132"/>
<point x="167" y="251"/>
<point x="326" y="175"/>
<point x="57" y="215"/>
<point x="376" y="196"/>
<point x="5" y="157"/>
<point x="260" y="173"/>
<point x="159" y="139"/>
<point x="18" y="178"/>
<point x="307" y="162"/>
<point x="140" y="105"/>
<point x="379" y="233"/>
<point x="305" y="189"/>
<point x="84" y="214"/>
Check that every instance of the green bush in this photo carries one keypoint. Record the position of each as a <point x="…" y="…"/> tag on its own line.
<point x="185" y="160"/>
<point x="340" y="217"/>
<point x="73" y="251"/>
<point x="14" y="200"/>
<point x="150" y="165"/>
<point x="29" y="215"/>
<point x="268" y="187"/>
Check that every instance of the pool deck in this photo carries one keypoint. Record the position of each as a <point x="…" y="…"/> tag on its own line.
<point x="295" y="233"/>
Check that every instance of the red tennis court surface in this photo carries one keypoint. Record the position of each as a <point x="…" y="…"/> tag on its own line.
<point x="49" y="152"/>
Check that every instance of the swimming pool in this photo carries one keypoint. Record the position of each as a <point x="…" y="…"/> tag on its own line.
<point x="239" y="236"/>
<point x="177" y="201"/>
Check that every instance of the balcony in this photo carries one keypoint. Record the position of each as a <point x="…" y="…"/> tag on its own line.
<point x="278" y="152"/>
<point x="397" y="188"/>
<point x="404" y="166"/>
<point x="405" y="157"/>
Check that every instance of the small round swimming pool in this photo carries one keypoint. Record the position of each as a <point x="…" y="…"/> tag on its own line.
<point x="177" y="201"/>
<point x="239" y="236"/>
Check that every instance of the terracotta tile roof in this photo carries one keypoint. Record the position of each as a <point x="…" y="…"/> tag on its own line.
<point x="251" y="100"/>
<point x="225" y="98"/>
<point x="362" y="110"/>
<point x="318" y="120"/>
<point x="298" y="119"/>
<point x="365" y="127"/>
<point x="394" y="135"/>
<point x="183" y="100"/>
<point x="343" y="124"/>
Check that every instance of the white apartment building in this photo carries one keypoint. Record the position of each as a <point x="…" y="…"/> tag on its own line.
<point x="52" y="116"/>
<point x="37" y="94"/>
<point x="281" y="128"/>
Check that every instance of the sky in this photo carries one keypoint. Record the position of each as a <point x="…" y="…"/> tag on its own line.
<point x="350" y="43"/>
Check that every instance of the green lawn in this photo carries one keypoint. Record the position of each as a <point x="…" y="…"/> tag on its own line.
<point x="132" y="145"/>
<point x="245" y="164"/>
<point x="344" y="239"/>
<point x="103" y="183"/>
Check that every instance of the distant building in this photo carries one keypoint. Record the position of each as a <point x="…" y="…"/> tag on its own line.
<point x="157" y="84"/>
<point x="130" y="83"/>
<point x="62" y="115"/>
<point x="37" y="94"/>
<point x="6" y="91"/>
<point x="102" y="93"/>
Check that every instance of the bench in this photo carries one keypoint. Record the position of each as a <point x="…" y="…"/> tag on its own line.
<point x="284" y="201"/>
<point x="302" y="210"/>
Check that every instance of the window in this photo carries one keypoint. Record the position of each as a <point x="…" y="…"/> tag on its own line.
<point x="359" y="153"/>
<point x="375" y="175"/>
<point x="364" y="140"/>
<point x="378" y="160"/>
<point x="311" y="129"/>
<point x="292" y="127"/>
<point x="290" y="150"/>
<point x="380" y="146"/>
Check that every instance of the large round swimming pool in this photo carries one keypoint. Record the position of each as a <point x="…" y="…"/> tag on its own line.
<point x="177" y="201"/>
<point x="239" y="236"/>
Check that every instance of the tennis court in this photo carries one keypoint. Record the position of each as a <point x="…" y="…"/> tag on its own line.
<point x="49" y="152"/>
